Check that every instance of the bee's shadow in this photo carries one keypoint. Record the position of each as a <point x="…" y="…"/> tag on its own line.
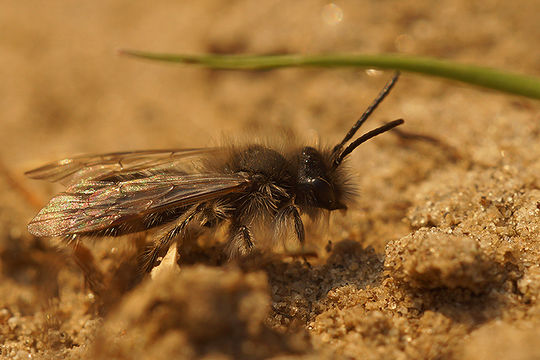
<point x="298" y="284"/>
<point x="299" y="287"/>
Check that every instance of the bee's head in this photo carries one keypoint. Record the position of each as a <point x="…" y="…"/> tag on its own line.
<point x="316" y="181"/>
<point x="321" y="181"/>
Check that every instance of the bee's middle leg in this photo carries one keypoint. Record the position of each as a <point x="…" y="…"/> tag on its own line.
<point x="240" y="241"/>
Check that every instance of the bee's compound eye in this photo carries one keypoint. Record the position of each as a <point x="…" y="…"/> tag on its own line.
<point x="321" y="186"/>
<point x="324" y="194"/>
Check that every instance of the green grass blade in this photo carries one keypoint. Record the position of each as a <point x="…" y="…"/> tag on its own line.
<point x="504" y="81"/>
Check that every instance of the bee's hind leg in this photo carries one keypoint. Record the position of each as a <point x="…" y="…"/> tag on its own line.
<point x="161" y="247"/>
<point x="93" y="276"/>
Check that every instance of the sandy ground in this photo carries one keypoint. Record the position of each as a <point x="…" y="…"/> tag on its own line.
<point x="439" y="258"/>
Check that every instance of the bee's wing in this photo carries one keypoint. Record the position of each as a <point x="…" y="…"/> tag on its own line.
<point x="97" y="205"/>
<point x="91" y="167"/>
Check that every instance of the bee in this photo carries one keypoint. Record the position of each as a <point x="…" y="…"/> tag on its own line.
<point x="247" y="187"/>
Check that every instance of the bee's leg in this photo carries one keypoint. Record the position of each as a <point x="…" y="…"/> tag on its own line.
<point x="240" y="241"/>
<point x="283" y="218"/>
<point x="282" y="223"/>
<point x="162" y="245"/>
<point x="85" y="260"/>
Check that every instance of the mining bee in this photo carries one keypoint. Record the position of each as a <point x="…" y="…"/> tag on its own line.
<point x="253" y="188"/>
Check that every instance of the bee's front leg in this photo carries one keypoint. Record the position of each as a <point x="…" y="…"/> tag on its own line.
<point x="285" y="216"/>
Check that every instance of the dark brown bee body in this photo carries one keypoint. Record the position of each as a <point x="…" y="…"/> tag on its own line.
<point x="250" y="187"/>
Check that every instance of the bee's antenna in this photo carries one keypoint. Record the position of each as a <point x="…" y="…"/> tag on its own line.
<point x="366" y="137"/>
<point x="389" y="85"/>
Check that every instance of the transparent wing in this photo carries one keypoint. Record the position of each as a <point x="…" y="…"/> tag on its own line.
<point x="97" y="205"/>
<point x="92" y="167"/>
